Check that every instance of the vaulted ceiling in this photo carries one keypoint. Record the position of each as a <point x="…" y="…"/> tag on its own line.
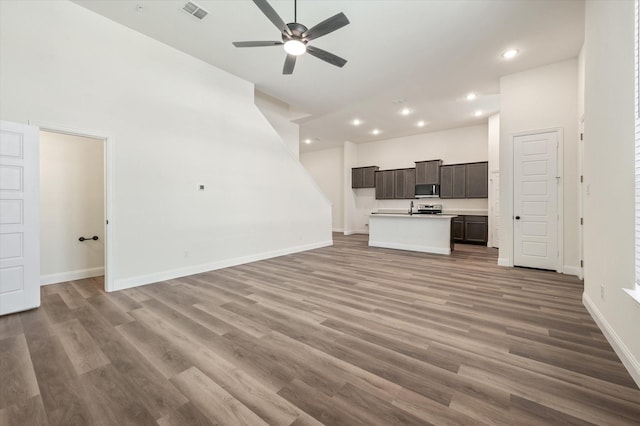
<point x="424" y="55"/>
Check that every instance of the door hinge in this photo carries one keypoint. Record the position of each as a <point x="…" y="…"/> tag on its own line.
<point x="581" y="221"/>
<point x="581" y="136"/>
<point x="107" y="221"/>
<point x="581" y="179"/>
<point x="582" y="263"/>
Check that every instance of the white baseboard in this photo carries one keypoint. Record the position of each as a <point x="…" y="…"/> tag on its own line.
<point x="503" y="261"/>
<point x="423" y="249"/>
<point x="630" y="362"/>
<point x="124" y="283"/>
<point x="79" y="274"/>
<point x="571" y="270"/>
<point x="337" y="230"/>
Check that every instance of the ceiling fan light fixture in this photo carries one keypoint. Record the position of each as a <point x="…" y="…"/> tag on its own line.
<point x="294" y="47"/>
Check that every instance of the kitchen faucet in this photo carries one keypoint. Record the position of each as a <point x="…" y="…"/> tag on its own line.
<point x="411" y="208"/>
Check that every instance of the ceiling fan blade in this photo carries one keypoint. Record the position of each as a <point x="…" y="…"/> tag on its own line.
<point x="327" y="26"/>
<point x="273" y="16"/>
<point x="256" y="43"/>
<point x="326" y="56"/>
<point x="289" y="64"/>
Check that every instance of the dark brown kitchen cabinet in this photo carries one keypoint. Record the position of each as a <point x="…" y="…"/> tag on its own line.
<point x="470" y="229"/>
<point x="428" y="171"/>
<point x="363" y="177"/>
<point x="477" y="184"/>
<point x="405" y="183"/>
<point x="469" y="180"/>
<point x="385" y="184"/>
<point x="457" y="229"/>
<point x="452" y="181"/>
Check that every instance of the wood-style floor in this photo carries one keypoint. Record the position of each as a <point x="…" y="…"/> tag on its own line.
<point x="344" y="335"/>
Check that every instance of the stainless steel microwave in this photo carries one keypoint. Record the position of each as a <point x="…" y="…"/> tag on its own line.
<point x="428" y="190"/>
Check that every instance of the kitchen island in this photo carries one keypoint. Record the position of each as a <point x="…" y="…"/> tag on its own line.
<point x="428" y="233"/>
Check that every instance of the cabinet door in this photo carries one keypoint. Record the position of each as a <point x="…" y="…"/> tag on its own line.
<point x="475" y="229"/>
<point x="446" y="182"/>
<point x="379" y="188"/>
<point x="368" y="179"/>
<point x="477" y="180"/>
<point x="357" y="177"/>
<point x="459" y="181"/>
<point x="399" y="183"/>
<point x="433" y="171"/>
<point x="388" y="184"/>
<point x="410" y="183"/>
<point x="457" y="229"/>
<point x="421" y="172"/>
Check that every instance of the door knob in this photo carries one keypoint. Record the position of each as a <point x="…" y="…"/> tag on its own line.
<point x="517" y="217"/>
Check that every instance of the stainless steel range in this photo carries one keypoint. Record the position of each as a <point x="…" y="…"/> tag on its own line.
<point x="429" y="208"/>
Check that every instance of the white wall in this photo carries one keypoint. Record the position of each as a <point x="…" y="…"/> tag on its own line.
<point x="609" y="175"/>
<point x="175" y="122"/>
<point x="326" y="168"/>
<point x="541" y="98"/>
<point x="71" y="205"/>
<point x="279" y="114"/>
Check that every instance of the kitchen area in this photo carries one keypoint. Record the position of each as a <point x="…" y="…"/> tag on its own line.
<point x="446" y="204"/>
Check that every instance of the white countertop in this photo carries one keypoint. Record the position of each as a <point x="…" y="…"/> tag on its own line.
<point x="416" y="216"/>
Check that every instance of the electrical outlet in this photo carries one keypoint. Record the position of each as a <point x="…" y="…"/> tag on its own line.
<point x="186" y="254"/>
<point x="602" y="292"/>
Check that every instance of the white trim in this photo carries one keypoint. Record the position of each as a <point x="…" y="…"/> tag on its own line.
<point x="503" y="261"/>
<point x="634" y="293"/>
<point x="124" y="283"/>
<point x="78" y="274"/>
<point x="572" y="270"/>
<point x="337" y="230"/>
<point x="559" y="194"/>
<point x="410" y="247"/>
<point x="626" y="356"/>
<point x="108" y="139"/>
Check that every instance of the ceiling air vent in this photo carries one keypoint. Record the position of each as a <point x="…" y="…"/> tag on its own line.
<point x="195" y="10"/>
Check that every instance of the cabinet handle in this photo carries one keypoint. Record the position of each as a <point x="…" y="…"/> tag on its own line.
<point x="94" y="238"/>
<point x="517" y="217"/>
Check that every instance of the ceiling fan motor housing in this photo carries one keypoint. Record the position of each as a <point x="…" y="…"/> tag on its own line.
<point x="297" y="31"/>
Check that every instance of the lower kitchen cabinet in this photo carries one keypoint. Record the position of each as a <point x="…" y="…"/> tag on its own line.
<point x="470" y="229"/>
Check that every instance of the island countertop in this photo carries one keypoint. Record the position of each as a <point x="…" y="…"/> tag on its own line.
<point x="416" y="215"/>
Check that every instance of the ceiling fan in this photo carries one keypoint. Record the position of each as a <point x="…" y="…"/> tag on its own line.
<point x="295" y="36"/>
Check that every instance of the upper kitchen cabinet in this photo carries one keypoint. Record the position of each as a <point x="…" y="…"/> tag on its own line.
<point x="405" y="183"/>
<point x="452" y="181"/>
<point x="468" y="180"/>
<point x="363" y="177"/>
<point x="428" y="171"/>
<point x="477" y="180"/>
<point x="385" y="184"/>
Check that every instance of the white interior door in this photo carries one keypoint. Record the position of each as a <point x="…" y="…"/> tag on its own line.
<point x="19" y="218"/>
<point x="535" y="208"/>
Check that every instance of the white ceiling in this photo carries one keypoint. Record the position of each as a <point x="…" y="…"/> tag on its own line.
<point x="430" y="53"/>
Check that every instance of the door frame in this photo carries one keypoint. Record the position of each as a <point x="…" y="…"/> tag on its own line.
<point x="108" y="141"/>
<point x="581" y="138"/>
<point x="559" y="192"/>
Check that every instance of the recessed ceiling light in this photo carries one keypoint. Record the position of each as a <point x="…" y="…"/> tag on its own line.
<point x="471" y="96"/>
<point x="356" y="122"/>
<point x="307" y="141"/>
<point x="421" y="123"/>
<point x="405" y="111"/>
<point x="509" y="54"/>
<point x="376" y="131"/>
<point x="478" y="113"/>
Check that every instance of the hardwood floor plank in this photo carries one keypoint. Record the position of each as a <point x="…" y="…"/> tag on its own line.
<point x="112" y="401"/>
<point x="82" y="351"/>
<point x="109" y="309"/>
<point x="213" y="401"/>
<point x="29" y="412"/>
<point x="186" y="414"/>
<point x="18" y="381"/>
<point x="10" y="326"/>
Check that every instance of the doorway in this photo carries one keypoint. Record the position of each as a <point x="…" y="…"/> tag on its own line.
<point x="73" y="206"/>
<point x="536" y="200"/>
